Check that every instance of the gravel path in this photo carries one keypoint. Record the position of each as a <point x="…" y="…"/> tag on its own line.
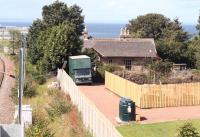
<point x="7" y="107"/>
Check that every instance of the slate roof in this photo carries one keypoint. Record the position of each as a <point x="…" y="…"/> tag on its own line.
<point x="122" y="48"/>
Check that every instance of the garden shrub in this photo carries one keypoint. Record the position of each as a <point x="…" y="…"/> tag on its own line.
<point x="108" y="67"/>
<point x="161" y="67"/>
<point x="188" y="130"/>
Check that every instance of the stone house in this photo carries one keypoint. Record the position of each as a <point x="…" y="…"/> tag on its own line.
<point x="131" y="54"/>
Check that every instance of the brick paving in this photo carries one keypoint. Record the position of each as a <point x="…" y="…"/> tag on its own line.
<point x="108" y="104"/>
<point x="7" y="107"/>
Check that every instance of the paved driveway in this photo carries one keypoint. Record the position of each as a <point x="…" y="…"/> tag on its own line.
<point x="105" y="101"/>
<point x="108" y="104"/>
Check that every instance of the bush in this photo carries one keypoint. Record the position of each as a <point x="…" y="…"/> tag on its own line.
<point x="60" y="105"/>
<point x="163" y="67"/>
<point x="39" y="128"/>
<point x="40" y="79"/>
<point x="131" y="76"/>
<point x="188" y="130"/>
<point x="14" y="94"/>
<point x="30" y="88"/>
<point x="35" y="74"/>
<point x="108" y="67"/>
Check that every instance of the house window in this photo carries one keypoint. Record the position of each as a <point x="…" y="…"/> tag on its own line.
<point x="110" y="61"/>
<point x="128" y="64"/>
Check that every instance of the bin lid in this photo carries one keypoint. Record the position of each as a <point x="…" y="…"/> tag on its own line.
<point x="125" y="100"/>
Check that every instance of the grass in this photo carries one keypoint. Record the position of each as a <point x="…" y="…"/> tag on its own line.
<point x="167" y="129"/>
<point x="5" y="43"/>
<point x="66" y="125"/>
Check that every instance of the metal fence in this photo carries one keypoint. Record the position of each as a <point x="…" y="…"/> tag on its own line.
<point x="93" y="119"/>
<point x="155" y="96"/>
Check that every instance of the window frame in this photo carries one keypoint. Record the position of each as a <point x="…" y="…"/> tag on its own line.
<point x="128" y="64"/>
<point x="110" y="61"/>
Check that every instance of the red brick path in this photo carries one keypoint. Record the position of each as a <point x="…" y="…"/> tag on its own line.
<point x="7" y="107"/>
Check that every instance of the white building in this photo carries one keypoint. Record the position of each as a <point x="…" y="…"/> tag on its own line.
<point x="4" y="31"/>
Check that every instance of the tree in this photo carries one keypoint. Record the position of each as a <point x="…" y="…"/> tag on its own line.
<point x="177" y="52"/>
<point x="198" y="26"/>
<point x="171" y="39"/>
<point x="34" y="32"/>
<point x="174" y="32"/>
<point x="188" y="130"/>
<point x="194" y="51"/>
<point x="93" y="55"/>
<point x="15" y="39"/>
<point x="157" y="26"/>
<point x="52" y="15"/>
<point x="57" y="44"/>
<point x="150" y="25"/>
<point x="59" y="12"/>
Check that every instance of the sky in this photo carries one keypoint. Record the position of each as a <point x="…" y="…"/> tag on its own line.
<point x="105" y="11"/>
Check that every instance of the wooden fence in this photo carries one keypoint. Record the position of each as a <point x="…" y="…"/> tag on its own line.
<point x="93" y="119"/>
<point x="155" y="96"/>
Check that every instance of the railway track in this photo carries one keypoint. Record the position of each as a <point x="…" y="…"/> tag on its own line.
<point x="2" y="69"/>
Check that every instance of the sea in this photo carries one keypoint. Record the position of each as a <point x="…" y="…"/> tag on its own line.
<point x="101" y="30"/>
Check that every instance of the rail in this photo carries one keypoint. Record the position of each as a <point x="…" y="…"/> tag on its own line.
<point x="2" y="69"/>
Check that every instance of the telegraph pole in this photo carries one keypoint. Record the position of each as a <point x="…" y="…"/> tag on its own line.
<point x="24" y="55"/>
<point x="21" y="79"/>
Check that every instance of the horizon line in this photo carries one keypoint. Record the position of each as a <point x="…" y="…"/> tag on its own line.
<point x="87" y="22"/>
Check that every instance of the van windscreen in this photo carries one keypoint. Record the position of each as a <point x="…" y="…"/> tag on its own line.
<point x="82" y="72"/>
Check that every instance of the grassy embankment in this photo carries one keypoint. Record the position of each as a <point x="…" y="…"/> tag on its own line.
<point x="62" y="117"/>
<point x="53" y="113"/>
<point x="166" y="129"/>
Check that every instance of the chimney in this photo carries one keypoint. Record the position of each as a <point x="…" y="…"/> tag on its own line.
<point x="124" y="34"/>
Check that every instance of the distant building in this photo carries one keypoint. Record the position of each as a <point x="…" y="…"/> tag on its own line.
<point x="4" y="31"/>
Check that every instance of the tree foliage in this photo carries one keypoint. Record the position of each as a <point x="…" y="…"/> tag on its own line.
<point x="57" y="44"/>
<point x="198" y="26"/>
<point x="157" y="26"/>
<point x="59" y="12"/>
<point x="15" y="39"/>
<point x="56" y="36"/>
<point x="194" y="49"/>
<point x="171" y="39"/>
<point x="93" y="55"/>
<point x="177" y="52"/>
<point x="34" y="32"/>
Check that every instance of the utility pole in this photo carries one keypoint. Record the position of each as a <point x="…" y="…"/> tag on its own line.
<point x="21" y="79"/>
<point x="24" y="55"/>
